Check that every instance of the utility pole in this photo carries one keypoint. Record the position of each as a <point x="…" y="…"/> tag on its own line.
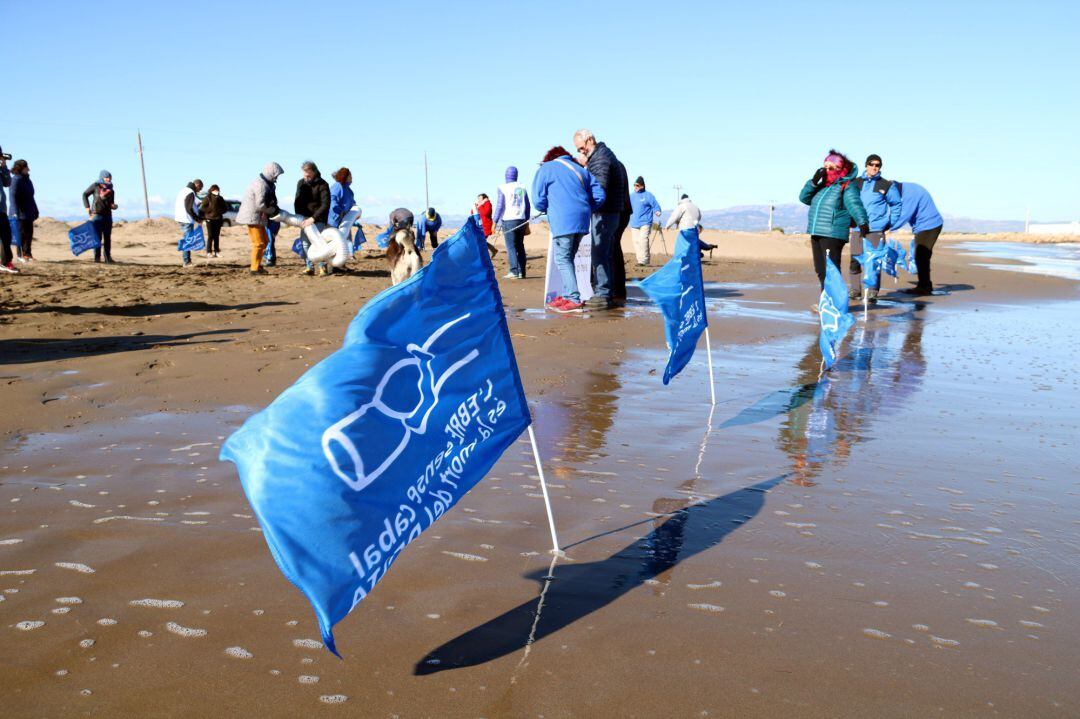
<point x="772" y="207"/>
<point x="1027" y="220"/>
<point x="678" y="194"/>
<point x="427" y="198"/>
<point x="142" y="167"/>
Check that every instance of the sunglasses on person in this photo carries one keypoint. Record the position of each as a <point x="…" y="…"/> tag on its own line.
<point x="873" y="164"/>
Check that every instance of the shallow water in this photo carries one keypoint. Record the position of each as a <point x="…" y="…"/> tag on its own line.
<point x="1055" y="260"/>
<point x="898" y="534"/>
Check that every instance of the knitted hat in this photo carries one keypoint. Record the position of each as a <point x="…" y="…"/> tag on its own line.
<point x="640" y="181"/>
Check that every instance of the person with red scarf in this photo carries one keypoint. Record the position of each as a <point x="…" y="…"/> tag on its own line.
<point x="835" y="207"/>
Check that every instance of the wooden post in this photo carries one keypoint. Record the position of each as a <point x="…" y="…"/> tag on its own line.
<point x="142" y="167"/>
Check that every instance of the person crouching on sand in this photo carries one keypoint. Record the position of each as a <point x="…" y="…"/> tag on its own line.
<point x="260" y="203"/>
<point x="834" y="205"/>
<point x="213" y="210"/>
<point x="569" y="194"/>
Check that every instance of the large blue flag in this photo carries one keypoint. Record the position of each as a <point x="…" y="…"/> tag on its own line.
<point x="679" y="290"/>
<point x="83" y="238"/>
<point x="833" y="313"/>
<point x="871" y="259"/>
<point x="376" y="442"/>
<point x="16" y="241"/>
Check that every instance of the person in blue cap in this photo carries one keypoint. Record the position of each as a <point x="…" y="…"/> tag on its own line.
<point x="428" y="226"/>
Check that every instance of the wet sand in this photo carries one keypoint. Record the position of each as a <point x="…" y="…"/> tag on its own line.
<point x="897" y="539"/>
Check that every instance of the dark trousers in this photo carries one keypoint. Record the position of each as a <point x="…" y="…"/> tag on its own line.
<point x="213" y="240"/>
<point x="514" y="236"/>
<point x="26" y="237"/>
<point x="924" y="249"/>
<point x="603" y="237"/>
<point x="103" y="227"/>
<point x="822" y="246"/>
<point x="5" y="240"/>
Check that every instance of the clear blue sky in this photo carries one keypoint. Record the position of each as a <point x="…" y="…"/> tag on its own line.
<point x="978" y="101"/>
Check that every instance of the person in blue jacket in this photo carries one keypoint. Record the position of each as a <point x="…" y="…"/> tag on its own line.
<point x="428" y="225"/>
<point x="569" y="194"/>
<point x="644" y="211"/>
<point x="342" y="199"/>
<point x="917" y="208"/>
<point x="881" y="199"/>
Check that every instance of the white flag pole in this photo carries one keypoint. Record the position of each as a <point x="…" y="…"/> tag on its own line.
<point x="543" y="488"/>
<point x="865" y="305"/>
<point x="712" y="379"/>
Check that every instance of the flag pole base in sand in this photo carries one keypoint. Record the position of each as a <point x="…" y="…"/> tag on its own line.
<point x="708" y="354"/>
<point x="547" y="500"/>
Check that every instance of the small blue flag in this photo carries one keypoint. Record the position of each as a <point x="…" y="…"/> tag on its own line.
<point x="383" y="238"/>
<point x="16" y="240"/>
<point x="679" y="290"/>
<point x="888" y="263"/>
<point x="871" y="260"/>
<point x="298" y="248"/>
<point x="833" y="313"/>
<point x="358" y="238"/>
<point x="376" y="442"/>
<point x="83" y="238"/>
<point x="192" y="240"/>
<point x="911" y="267"/>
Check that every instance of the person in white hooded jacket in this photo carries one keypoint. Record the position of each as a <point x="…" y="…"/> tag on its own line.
<point x="686" y="215"/>
<point x="186" y="212"/>
<point x="258" y="205"/>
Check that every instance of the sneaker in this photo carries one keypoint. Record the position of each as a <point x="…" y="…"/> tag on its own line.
<point x="322" y="272"/>
<point x="307" y="271"/>
<point x="556" y="303"/>
<point x="569" y="306"/>
<point x="9" y="268"/>
<point x="598" y="303"/>
<point x="511" y="276"/>
<point x="22" y="259"/>
<point x="187" y="263"/>
<point x="854" y="295"/>
<point x="260" y="271"/>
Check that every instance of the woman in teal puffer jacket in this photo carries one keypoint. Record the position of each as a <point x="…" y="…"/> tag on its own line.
<point x="835" y="207"/>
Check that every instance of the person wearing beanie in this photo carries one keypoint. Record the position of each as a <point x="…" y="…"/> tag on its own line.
<point x="99" y="199"/>
<point x="834" y="206"/>
<point x="645" y="210"/>
<point x="512" y="209"/>
<point x="686" y="215"/>
<point x="881" y="198"/>
<point x="428" y="225"/>
<point x="259" y="204"/>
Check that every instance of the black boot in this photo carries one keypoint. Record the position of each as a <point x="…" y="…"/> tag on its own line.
<point x="922" y="266"/>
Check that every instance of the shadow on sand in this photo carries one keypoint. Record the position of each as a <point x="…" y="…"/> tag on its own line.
<point x="46" y="349"/>
<point x="149" y="309"/>
<point x="577" y="590"/>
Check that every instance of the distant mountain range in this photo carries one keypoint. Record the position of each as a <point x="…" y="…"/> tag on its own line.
<point x="755" y="218"/>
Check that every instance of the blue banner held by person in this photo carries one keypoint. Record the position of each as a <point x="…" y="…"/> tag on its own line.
<point x="358" y="238"/>
<point x="833" y="313"/>
<point x="376" y="442"/>
<point x="83" y="238"/>
<point x="192" y="240"/>
<point x="678" y="289"/>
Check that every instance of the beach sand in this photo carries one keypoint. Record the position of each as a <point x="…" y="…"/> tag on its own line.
<point x="897" y="539"/>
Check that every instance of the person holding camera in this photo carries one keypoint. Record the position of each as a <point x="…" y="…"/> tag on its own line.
<point x="24" y="207"/>
<point x="6" y="265"/>
<point x="99" y="199"/>
<point x="834" y="205"/>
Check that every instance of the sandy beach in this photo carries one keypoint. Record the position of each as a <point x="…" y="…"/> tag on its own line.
<point x="898" y="539"/>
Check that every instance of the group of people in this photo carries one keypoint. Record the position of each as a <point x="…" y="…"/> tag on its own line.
<point x="848" y="206"/>
<point x="23" y="211"/>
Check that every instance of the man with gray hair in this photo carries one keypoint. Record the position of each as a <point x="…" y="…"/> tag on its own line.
<point x="604" y="166"/>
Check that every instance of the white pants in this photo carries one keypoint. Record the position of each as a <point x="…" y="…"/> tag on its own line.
<point x="641" y="243"/>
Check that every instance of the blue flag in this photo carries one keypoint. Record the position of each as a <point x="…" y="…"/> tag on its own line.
<point x="16" y="241"/>
<point x="871" y="259"/>
<point x="888" y="262"/>
<point x="833" y="313"/>
<point x="358" y="238"/>
<point x="911" y="267"/>
<point x="679" y="290"/>
<point x="376" y="442"/>
<point x="383" y="238"/>
<point x="192" y="240"/>
<point x="298" y="248"/>
<point x="83" y="238"/>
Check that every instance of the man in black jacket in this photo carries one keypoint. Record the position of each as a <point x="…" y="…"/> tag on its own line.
<point x="605" y="167"/>
<point x="313" y="202"/>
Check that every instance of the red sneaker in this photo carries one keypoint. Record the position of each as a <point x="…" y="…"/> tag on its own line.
<point x="556" y="304"/>
<point x="9" y="268"/>
<point x="569" y="306"/>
